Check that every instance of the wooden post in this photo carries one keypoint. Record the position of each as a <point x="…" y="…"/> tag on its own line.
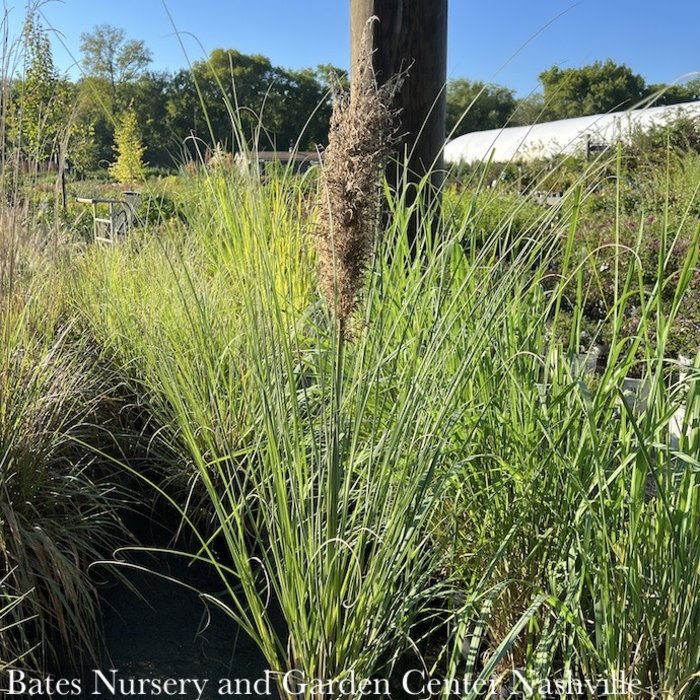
<point x="411" y="35"/>
<point x="64" y="192"/>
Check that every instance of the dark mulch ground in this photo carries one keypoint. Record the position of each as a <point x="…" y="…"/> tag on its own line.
<point x="159" y="629"/>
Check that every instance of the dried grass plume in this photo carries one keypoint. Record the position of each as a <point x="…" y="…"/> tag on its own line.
<point x="361" y="135"/>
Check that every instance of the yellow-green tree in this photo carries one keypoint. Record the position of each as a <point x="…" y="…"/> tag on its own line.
<point x="129" y="166"/>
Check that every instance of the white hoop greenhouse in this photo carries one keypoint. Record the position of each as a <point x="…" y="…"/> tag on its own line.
<point x="565" y="136"/>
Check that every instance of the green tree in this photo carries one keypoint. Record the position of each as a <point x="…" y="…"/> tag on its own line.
<point x="593" y="89"/>
<point x="476" y="106"/>
<point x="112" y="65"/>
<point x="232" y="88"/>
<point x="129" y="166"/>
<point x="673" y="94"/>
<point x="297" y="110"/>
<point x="109" y="55"/>
<point x="184" y="112"/>
<point x="327" y="74"/>
<point x="234" y="95"/>
<point x="530" y="110"/>
<point x="95" y="109"/>
<point x="148" y="96"/>
<point x="83" y="148"/>
<point x="39" y="112"/>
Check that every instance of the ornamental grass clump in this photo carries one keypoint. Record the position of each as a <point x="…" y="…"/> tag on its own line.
<point x="361" y="134"/>
<point x="56" y="515"/>
<point x="57" y="511"/>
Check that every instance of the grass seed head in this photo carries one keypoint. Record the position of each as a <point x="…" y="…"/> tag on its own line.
<point x="362" y="133"/>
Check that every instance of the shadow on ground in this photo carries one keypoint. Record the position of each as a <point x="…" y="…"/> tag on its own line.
<point x="156" y="628"/>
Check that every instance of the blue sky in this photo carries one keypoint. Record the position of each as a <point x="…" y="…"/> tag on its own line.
<point x="508" y="41"/>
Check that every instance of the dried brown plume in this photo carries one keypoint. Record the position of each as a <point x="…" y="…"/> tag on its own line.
<point x="360" y="139"/>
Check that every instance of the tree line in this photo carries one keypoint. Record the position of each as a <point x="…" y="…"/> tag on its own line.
<point x="179" y="114"/>
<point x="184" y="113"/>
<point x="598" y="88"/>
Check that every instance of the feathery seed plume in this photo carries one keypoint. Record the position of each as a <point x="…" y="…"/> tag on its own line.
<point x="360" y="139"/>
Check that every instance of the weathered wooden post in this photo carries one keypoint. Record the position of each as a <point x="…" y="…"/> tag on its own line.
<point x="411" y="36"/>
